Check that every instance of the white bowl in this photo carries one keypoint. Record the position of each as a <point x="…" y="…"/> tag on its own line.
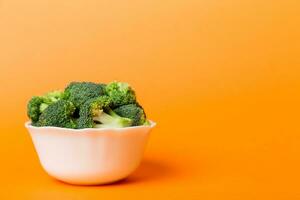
<point x="89" y="156"/>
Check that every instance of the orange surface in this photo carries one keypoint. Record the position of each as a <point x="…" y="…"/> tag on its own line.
<point x="221" y="78"/>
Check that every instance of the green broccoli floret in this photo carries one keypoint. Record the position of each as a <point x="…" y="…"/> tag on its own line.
<point x="120" y="94"/>
<point x="134" y="112"/>
<point x="58" y="114"/>
<point x="34" y="108"/>
<point x="54" y="96"/>
<point x="38" y="104"/>
<point x="80" y="92"/>
<point x="96" y="113"/>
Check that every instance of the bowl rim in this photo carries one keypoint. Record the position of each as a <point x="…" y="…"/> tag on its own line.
<point x="29" y="126"/>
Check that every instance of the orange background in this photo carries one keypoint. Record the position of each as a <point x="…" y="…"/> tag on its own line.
<point x="221" y="78"/>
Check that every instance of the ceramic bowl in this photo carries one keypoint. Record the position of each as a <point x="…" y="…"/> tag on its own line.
<point x="89" y="156"/>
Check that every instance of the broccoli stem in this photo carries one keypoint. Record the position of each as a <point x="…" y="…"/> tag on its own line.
<point x="111" y="120"/>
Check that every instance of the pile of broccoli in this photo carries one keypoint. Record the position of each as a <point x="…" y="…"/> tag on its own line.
<point x="88" y="105"/>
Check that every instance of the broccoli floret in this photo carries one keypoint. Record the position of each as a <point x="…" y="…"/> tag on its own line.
<point x="38" y="104"/>
<point x="80" y="92"/>
<point x="54" y="96"/>
<point x="58" y="114"/>
<point x="34" y="108"/>
<point x="120" y="94"/>
<point x="134" y="112"/>
<point x="96" y="113"/>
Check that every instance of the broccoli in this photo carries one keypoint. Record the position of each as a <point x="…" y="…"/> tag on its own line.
<point x="54" y="96"/>
<point x="96" y="113"/>
<point x="134" y="112"/>
<point x="120" y="94"/>
<point x="58" y="114"/>
<point x="88" y="105"/>
<point x="34" y="108"/>
<point x="80" y="92"/>
<point x="38" y="104"/>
